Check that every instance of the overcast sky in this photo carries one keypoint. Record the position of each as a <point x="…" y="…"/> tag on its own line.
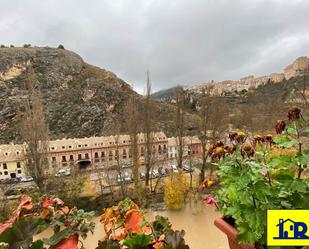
<point x="179" y="41"/>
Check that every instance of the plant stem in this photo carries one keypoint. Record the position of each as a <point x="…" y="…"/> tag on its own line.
<point x="254" y="202"/>
<point x="269" y="179"/>
<point x="299" y="150"/>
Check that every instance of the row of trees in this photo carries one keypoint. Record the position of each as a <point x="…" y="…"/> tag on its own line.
<point x="60" y="46"/>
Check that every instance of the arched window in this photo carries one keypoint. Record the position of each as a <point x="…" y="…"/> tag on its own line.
<point x="142" y="151"/>
<point x="160" y="149"/>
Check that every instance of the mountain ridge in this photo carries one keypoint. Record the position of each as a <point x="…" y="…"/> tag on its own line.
<point x="81" y="100"/>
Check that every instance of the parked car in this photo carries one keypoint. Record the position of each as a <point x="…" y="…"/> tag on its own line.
<point x="162" y="171"/>
<point x="187" y="168"/>
<point x="174" y="168"/>
<point x="63" y="172"/>
<point x="125" y="177"/>
<point x="26" y="179"/>
<point x="142" y="175"/>
<point x="127" y="165"/>
<point x="154" y="173"/>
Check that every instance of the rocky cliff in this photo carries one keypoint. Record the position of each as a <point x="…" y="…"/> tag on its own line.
<point x="80" y="100"/>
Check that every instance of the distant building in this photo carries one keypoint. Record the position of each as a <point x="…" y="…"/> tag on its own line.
<point x="101" y="150"/>
<point x="298" y="68"/>
<point x="81" y="153"/>
<point x="94" y="151"/>
<point x="191" y="147"/>
<point x="12" y="160"/>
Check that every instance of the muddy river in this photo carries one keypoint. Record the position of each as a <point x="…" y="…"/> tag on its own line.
<point x="196" y="220"/>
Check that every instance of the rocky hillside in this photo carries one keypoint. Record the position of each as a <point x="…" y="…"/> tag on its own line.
<point x="80" y="100"/>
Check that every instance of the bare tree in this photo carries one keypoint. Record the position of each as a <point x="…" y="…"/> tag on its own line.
<point x="179" y="124"/>
<point x="148" y="132"/>
<point x="203" y="115"/>
<point x="119" y="167"/>
<point x="132" y="122"/>
<point x="34" y="131"/>
<point x="217" y="121"/>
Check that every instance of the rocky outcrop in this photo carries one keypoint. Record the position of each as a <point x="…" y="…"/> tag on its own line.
<point x="299" y="67"/>
<point x="80" y="100"/>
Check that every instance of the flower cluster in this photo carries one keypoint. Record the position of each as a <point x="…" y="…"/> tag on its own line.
<point x="267" y="139"/>
<point x="247" y="150"/>
<point x="280" y="126"/>
<point x="239" y="137"/>
<point x="266" y="171"/>
<point x="293" y="115"/>
<point x="218" y="150"/>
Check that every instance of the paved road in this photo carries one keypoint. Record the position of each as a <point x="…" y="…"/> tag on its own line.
<point x="107" y="177"/>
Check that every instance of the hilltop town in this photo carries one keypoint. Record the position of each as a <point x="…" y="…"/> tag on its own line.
<point x="299" y="67"/>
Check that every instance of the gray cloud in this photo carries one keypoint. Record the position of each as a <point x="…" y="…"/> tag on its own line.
<point x="179" y="41"/>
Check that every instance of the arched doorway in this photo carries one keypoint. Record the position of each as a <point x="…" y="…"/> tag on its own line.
<point x="84" y="164"/>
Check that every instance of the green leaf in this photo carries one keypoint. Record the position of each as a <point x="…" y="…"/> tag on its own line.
<point x="306" y="133"/>
<point x="282" y="161"/>
<point x="285" y="141"/>
<point x="37" y="245"/>
<point x="57" y="237"/>
<point x="139" y="241"/>
<point x="304" y="158"/>
<point x="244" y="234"/>
<point x="108" y="244"/>
<point x="162" y="225"/>
<point x="291" y="130"/>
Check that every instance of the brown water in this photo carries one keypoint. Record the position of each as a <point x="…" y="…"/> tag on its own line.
<point x="196" y="220"/>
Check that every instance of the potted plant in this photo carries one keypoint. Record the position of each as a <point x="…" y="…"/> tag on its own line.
<point x="257" y="174"/>
<point x="29" y="219"/>
<point x="126" y="227"/>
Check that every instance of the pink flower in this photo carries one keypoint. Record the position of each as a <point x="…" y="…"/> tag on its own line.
<point x="211" y="201"/>
<point x="264" y="173"/>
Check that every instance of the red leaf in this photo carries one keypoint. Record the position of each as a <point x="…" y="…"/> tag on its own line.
<point x="25" y="202"/>
<point x="132" y="221"/>
<point x="47" y="203"/>
<point x="51" y="202"/>
<point x="65" y="210"/>
<point x="69" y="243"/>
